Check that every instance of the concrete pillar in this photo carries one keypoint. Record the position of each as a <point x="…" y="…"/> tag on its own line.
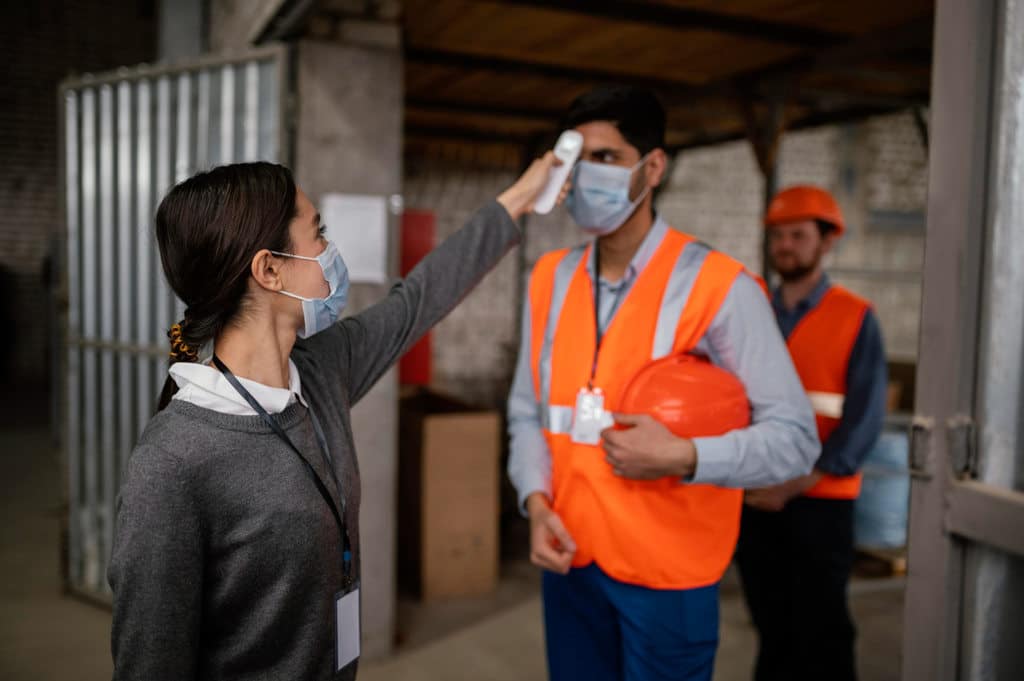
<point x="238" y="24"/>
<point x="349" y="140"/>
<point x="182" y="30"/>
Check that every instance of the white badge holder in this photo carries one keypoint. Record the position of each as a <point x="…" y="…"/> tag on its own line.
<point x="589" y="417"/>
<point x="346" y="627"/>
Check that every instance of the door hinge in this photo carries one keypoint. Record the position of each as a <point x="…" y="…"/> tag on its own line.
<point x="920" y="446"/>
<point x="963" y="449"/>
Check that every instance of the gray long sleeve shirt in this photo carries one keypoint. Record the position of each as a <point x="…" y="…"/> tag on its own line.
<point x="780" y="444"/>
<point x="226" y="559"/>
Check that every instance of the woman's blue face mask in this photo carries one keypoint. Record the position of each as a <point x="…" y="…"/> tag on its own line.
<point x="320" y="313"/>
<point x="599" y="199"/>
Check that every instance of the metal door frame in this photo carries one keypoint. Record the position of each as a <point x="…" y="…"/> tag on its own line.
<point x="90" y="209"/>
<point x="966" y="434"/>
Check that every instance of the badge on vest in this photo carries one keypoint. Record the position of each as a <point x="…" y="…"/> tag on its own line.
<point x="589" y="417"/>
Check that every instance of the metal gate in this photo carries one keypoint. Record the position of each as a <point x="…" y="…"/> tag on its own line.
<point x="127" y="137"/>
<point x="966" y="569"/>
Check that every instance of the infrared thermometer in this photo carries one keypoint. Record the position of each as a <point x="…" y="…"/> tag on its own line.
<point x="567" y="150"/>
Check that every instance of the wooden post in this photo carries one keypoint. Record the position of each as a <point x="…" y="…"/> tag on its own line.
<point x="766" y="121"/>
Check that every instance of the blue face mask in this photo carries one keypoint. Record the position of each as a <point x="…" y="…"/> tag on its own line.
<point x="320" y="313"/>
<point x="599" y="199"/>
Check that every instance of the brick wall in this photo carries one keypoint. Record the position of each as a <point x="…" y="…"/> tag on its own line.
<point x="877" y="170"/>
<point x="41" y="43"/>
<point x="474" y="348"/>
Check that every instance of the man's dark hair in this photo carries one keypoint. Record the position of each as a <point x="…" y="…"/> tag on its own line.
<point x="635" y="111"/>
<point x="825" y="227"/>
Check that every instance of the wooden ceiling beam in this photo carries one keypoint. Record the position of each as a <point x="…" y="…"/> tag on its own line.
<point x="505" y="66"/>
<point x="885" y="43"/>
<point x="703" y="139"/>
<point x="666" y="16"/>
<point x="783" y="80"/>
<point x="832" y="98"/>
<point x="461" y="107"/>
<point x="466" y="135"/>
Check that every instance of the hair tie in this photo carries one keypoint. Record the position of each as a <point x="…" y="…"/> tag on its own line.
<point x="180" y="350"/>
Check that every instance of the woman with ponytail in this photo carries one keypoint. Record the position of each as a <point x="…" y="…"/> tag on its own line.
<point x="236" y="553"/>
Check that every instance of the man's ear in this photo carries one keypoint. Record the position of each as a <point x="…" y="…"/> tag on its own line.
<point x="656" y="167"/>
<point x="266" y="270"/>
<point x="828" y="242"/>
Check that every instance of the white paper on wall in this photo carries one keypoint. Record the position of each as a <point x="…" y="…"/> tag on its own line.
<point x="358" y="224"/>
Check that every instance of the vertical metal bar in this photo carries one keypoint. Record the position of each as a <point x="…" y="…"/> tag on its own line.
<point x="162" y="310"/>
<point x="270" y="110"/>
<point x="227" y="114"/>
<point x="203" y="120"/>
<point x="107" y="313"/>
<point x="1002" y="335"/>
<point x="286" y="64"/>
<point x="144" y="247"/>
<point x="90" y="329"/>
<point x="252" y="111"/>
<point x="958" y="163"/>
<point x="73" y="435"/>
<point x="994" y="580"/>
<point x="183" y="151"/>
<point x="125" y="259"/>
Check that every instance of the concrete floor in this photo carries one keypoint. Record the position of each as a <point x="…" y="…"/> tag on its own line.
<point x="45" y="635"/>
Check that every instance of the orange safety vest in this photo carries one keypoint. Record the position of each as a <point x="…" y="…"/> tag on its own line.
<point x="821" y="345"/>
<point x="660" y="534"/>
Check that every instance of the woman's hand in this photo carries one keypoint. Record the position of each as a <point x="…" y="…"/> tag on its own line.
<point x="518" y="199"/>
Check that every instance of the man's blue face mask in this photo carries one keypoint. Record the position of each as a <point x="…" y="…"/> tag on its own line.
<point x="599" y="199"/>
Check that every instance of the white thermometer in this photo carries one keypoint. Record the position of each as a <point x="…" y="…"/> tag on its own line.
<point x="567" y="150"/>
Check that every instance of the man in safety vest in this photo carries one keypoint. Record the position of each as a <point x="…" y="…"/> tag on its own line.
<point x="633" y="525"/>
<point x="796" y="545"/>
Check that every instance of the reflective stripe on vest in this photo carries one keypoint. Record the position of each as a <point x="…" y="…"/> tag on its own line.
<point x="821" y="345"/>
<point x="558" y="419"/>
<point x="662" y="533"/>
<point x="827" y="404"/>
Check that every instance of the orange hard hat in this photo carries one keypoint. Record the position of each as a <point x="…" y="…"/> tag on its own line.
<point x="804" y="202"/>
<point x="689" y="395"/>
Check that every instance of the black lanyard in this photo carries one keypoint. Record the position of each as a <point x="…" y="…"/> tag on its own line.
<point x="346" y="554"/>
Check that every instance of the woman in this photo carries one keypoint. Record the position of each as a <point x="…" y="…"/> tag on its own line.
<point x="236" y="553"/>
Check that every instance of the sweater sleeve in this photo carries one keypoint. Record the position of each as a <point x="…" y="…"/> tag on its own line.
<point x="373" y="340"/>
<point x="156" y="572"/>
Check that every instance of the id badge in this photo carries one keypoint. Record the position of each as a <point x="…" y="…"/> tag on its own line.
<point x="346" y="627"/>
<point x="589" y="418"/>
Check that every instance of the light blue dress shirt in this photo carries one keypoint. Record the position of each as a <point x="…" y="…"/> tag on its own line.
<point x="780" y="444"/>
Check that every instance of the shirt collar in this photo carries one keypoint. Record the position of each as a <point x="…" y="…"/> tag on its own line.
<point x="643" y="254"/>
<point x="809" y="302"/>
<point x="205" y="386"/>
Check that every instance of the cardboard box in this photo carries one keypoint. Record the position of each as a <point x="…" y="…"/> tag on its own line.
<point x="448" y="497"/>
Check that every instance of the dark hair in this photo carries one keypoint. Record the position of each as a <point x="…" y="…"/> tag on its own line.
<point x="636" y="112"/>
<point x="825" y="227"/>
<point x="208" y="228"/>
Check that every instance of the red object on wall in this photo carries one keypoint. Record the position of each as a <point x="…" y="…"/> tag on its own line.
<point x="418" y="228"/>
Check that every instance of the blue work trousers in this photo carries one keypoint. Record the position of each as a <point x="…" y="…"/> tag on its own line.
<point x="600" y="629"/>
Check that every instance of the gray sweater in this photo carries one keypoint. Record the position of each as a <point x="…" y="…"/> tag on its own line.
<point x="226" y="559"/>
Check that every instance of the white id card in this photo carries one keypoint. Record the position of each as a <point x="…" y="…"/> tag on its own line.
<point x="346" y="628"/>
<point x="589" y="418"/>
